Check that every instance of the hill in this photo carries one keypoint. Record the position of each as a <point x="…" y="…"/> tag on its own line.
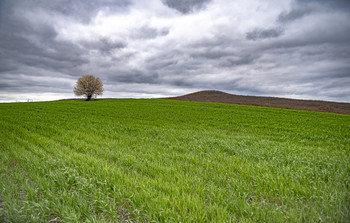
<point x="308" y="105"/>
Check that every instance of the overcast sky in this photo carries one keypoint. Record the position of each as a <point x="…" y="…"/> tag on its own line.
<point x="157" y="48"/>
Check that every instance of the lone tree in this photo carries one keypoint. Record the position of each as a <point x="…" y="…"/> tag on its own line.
<point x="88" y="85"/>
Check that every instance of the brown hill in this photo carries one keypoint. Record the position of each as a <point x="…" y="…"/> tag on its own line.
<point x="309" y="105"/>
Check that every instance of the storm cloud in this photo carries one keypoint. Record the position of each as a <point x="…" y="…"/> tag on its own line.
<point x="264" y="33"/>
<point x="186" y="6"/>
<point x="159" y="48"/>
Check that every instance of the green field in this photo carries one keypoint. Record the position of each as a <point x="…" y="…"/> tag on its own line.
<point x="153" y="160"/>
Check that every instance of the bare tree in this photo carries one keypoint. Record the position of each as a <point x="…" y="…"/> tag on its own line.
<point x="88" y="85"/>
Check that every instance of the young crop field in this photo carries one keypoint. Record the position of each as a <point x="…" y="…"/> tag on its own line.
<point x="154" y="160"/>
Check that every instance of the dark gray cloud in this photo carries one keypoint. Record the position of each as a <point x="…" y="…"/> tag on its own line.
<point x="295" y="13"/>
<point x="257" y="34"/>
<point x="301" y="8"/>
<point x="240" y="60"/>
<point x="35" y="45"/>
<point x="146" y="32"/>
<point x="17" y="84"/>
<point x="133" y="76"/>
<point x="211" y="54"/>
<point x="104" y="46"/>
<point x="186" y="6"/>
<point x="334" y="4"/>
<point x="81" y="10"/>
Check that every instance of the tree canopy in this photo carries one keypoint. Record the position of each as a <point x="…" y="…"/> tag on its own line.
<point x="89" y="86"/>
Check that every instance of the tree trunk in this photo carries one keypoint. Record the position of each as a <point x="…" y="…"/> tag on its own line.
<point x="88" y="98"/>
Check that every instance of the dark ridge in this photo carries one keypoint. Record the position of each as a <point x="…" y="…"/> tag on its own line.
<point x="308" y="105"/>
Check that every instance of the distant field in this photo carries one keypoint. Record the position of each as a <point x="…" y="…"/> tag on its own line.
<point x="153" y="160"/>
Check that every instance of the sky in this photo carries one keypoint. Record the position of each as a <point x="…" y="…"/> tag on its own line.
<point x="160" y="48"/>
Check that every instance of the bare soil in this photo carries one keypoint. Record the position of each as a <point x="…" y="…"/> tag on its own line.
<point x="308" y="105"/>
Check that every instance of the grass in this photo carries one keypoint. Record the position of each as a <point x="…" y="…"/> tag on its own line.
<point x="148" y="160"/>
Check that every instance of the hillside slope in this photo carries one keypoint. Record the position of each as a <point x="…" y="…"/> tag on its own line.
<point x="308" y="105"/>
